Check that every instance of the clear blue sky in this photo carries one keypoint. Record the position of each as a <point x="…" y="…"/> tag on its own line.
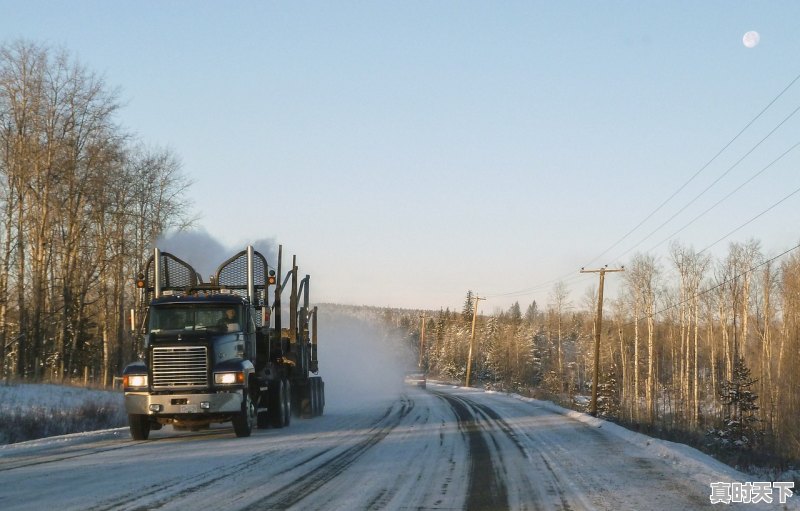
<point x="410" y="151"/>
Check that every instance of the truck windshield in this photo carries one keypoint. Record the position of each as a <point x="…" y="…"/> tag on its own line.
<point x="218" y="317"/>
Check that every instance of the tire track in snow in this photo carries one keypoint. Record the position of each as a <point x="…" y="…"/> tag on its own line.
<point x="308" y="483"/>
<point x="167" y="491"/>
<point x="27" y="462"/>
<point x="179" y="486"/>
<point x="486" y="491"/>
<point x="556" y="485"/>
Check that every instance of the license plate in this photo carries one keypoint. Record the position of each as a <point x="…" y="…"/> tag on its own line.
<point x="189" y="409"/>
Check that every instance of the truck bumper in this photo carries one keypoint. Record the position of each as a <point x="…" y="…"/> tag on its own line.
<point x="141" y="403"/>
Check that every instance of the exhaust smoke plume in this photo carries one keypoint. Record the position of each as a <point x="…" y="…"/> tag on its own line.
<point x="205" y="254"/>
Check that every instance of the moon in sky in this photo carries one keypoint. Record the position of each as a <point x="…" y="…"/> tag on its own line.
<point x="750" y="39"/>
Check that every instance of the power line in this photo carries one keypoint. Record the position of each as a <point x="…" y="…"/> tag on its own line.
<point x="752" y="219"/>
<point x="748" y="153"/>
<point x="704" y="167"/>
<point x="776" y="160"/>
<point x="566" y="278"/>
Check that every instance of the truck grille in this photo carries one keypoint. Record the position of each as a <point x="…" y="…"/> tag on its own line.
<point x="180" y="366"/>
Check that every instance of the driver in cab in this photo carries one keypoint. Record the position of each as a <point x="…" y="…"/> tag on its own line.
<point x="230" y="322"/>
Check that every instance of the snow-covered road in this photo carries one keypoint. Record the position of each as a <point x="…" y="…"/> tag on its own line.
<point x="440" y="448"/>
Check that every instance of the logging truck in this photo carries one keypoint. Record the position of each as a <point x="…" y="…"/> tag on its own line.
<point x="218" y="352"/>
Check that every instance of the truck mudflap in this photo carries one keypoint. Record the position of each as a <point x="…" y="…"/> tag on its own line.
<point x="141" y="403"/>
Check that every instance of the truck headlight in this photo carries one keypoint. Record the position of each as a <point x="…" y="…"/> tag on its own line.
<point x="134" y="380"/>
<point x="229" y="378"/>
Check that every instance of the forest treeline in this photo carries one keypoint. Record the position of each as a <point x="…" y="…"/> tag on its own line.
<point x="692" y="346"/>
<point x="81" y="201"/>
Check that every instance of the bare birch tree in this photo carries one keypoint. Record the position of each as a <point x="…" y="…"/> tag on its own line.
<point x="79" y="207"/>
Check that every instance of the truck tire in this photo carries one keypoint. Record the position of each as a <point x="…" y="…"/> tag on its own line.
<point x="307" y="400"/>
<point x="316" y="395"/>
<point x="321" y="396"/>
<point x="277" y="405"/>
<point x="243" y="422"/>
<point x="140" y="427"/>
<point x="287" y="388"/>
<point x="312" y="399"/>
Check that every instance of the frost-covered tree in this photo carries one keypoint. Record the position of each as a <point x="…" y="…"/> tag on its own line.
<point x="608" y="402"/>
<point x="739" y="429"/>
<point x="467" y="310"/>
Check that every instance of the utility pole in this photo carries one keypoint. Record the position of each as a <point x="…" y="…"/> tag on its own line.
<point x="597" y="329"/>
<point x="422" y="342"/>
<point x="472" y="339"/>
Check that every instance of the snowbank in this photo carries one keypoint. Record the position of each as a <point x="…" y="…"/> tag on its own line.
<point x="32" y="411"/>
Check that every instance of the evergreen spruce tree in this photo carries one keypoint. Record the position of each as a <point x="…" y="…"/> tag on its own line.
<point x="739" y="429"/>
<point x="608" y="396"/>
<point x="466" y="312"/>
<point x="532" y="313"/>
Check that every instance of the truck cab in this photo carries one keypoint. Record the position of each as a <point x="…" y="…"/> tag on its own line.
<point x="225" y="319"/>
<point x="198" y="367"/>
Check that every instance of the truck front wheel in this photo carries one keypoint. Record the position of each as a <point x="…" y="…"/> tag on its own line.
<point x="243" y="422"/>
<point x="140" y="426"/>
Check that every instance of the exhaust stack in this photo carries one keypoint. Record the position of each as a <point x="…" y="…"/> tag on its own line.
<point x="251" y="284"/>
<point x="157" y="273"/>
